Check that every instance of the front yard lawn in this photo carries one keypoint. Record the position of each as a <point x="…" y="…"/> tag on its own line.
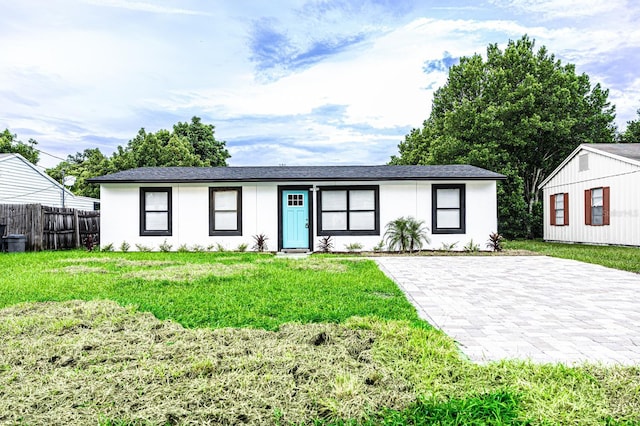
<point x="624" y="258"/>
<point x="227" y="338"/>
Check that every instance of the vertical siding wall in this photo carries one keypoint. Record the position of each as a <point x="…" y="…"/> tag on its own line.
<point x="20" y="183"/>
<point x="623" y="179"/>
<point x="120" y="214"/>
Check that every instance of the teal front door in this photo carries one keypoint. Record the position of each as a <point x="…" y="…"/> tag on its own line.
<point x="295" y="219"/>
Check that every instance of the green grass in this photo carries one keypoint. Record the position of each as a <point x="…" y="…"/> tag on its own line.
<point x="324" y="341"/>
<point x="624" y="258"/>
<point x="209" y="289"/>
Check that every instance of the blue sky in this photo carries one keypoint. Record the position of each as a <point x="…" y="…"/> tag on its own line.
<point x="284" y="81"/>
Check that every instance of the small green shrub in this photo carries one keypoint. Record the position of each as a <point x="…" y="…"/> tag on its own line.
<point x="165" y="247"/>
<point x="406" y="234"/>
<point x="143" y="248"/>
<point x="183" y="248"/>
<point x="220" y="247"/>
<point x="197" y="248"/>
<point x="448" y="247"/>
<point x="379" y="247"/>
<point x="325" y="244"/>
<point x="107" y="247"/>
<point x="125" y="246"/>
<point x="353" y="247"/>
<point x="260" y="242"/>
<point x="471" y="247"/>
<point x="242" y="247"/>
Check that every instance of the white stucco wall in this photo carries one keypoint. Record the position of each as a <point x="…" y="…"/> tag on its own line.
<point x="622" y="177"/>
<point x="120" y="213"/>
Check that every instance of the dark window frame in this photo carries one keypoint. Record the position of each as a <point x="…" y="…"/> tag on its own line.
<point x="348" y="231"/>
<point x="232" y="232"/>
<point x="462" y="209"/>
<point x="144" y="211"/>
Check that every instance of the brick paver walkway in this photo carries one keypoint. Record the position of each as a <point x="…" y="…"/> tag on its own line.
<point x="534" y="307"/>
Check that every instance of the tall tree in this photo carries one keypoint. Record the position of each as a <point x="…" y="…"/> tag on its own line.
<point x="189" y="144"/>
<point x="632" y="132"/>
<point x="520" y="113"/>
<point x="9" y="143"/>
<point x="83" y="165"/>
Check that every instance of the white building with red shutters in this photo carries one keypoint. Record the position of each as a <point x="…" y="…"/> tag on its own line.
<point x="593" y="197"/>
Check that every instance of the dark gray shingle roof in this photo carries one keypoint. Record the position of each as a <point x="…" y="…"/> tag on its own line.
<point x="298" y="173"/>
<point x="627" y="150"/>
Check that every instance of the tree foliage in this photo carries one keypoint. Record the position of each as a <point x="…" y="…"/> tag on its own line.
<point x="520" y="112"/>
<point x="9" y="143"/>
<point x="189" y="144"/>
<point x="632" y="132"/>
<point x="406" y="234"/>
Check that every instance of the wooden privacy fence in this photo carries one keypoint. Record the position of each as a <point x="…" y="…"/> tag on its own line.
<point x="50" y="228"/>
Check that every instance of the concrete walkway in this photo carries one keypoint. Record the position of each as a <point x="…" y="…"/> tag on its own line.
<point x="534" y="307"/>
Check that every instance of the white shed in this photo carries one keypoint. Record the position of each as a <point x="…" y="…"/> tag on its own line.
<point x="294" y="206"/>
<point x="22" y="182"/>
<point x="593" y="197"/>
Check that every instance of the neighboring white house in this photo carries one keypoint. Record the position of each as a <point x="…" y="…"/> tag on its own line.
<point x="21" y="182"/>
<point x="594" y="196"/>
<point x="294" y="206"/>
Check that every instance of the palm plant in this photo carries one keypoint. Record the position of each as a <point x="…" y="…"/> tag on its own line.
<point x="406" y="234"/>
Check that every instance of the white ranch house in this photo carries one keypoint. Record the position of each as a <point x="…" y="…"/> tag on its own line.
<point x="22" y="182"/>
<point x="593" y="197"/>
<point x="294" y="206"/>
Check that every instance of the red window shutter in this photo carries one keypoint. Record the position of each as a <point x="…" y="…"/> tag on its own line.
<point x="552" y="209"/>
<point x="587" y="207"/>
<point x="566" y="208"/>
<point x="605" y="205"/>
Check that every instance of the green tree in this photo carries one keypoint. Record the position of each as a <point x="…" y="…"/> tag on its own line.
<point x="83" y="165"/>
<point x="520" y="113"/>
<point x="202" y="138"/>
<point x="189" y="145"/>
<point x="632" y="132"/>
<point x="9" y="143"/>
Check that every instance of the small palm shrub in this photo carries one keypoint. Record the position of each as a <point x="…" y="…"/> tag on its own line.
<point x="325" y="244"/>
<point x="406" y="234"/>
<point x="260" y="242"/>
<point x="495" y="241"/>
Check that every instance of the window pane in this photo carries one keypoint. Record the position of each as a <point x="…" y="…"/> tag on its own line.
<point x="596" y="215"/>
<point x="156" y="221"/>
<point x="334" y="221"/>
<point x="559" y="201"/>
<point x="334" y="200"/>
<point x="361" y="200"/>
<point x="559" y="217"/>
<point x="596" y="197"/>
<point x="448" y="198"/>
<point x="156" y="201"/>
<point x="225" y="221"/>
<point x="362" y="221"/>
<point x="448" y="218"/>
<point x="225" y="200"/>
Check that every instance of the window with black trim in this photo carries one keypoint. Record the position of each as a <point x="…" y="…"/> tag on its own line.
<point x="225" y="211"/>
<point x="155" y="211"/>
<point x="349" y="210"/>
<point x="448" y="209"/>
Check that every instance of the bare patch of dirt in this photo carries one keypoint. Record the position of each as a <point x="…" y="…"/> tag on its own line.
<point x="75" y="362"/>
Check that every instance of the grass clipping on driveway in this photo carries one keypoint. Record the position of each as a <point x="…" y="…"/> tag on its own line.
<point x="81" y="362"/>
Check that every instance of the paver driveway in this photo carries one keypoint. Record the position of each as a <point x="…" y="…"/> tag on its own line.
<point x="527" y="307"/>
